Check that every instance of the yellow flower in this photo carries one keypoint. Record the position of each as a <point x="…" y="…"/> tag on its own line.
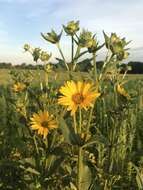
<point x="76" y="95"/>
<point x="43" y="122"/>
<point x="122" y="91"/>
<point x="19" y="87"/>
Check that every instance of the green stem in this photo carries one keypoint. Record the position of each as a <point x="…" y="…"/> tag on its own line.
<point x="115" y="96"/>
<point x="89" y="121"/>
<point x="59" y="48"/>
<point x="46" y="77"/>
<point x="124" y="74"/>
<point x="94" y="67"/>
<point x="79" y="175"/>
<point x="75" y="58"/>
<point x="39" y="73"/>
<point x="80" y="121"/>
<point x="75" y="126"/>
<point x="72" y="53"/>
<point x="53" y="139"/>
<point x="89" y="144"/>
<point x="35" y="143"/>
<point x="79" y="165"/>
<point x="106" y="62"/>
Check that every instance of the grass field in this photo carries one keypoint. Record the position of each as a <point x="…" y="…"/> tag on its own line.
<point x="109" y="146"/>
<point x="5" y="77"/>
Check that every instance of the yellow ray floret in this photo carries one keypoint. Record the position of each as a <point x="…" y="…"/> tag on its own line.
<point x="122" y="91"/>
<point x="43" y="122"/>
<point x="77" y="94"/>
<point x="18" y="87"/>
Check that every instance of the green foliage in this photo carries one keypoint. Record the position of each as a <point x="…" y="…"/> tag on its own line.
<point x="96" y="148"/>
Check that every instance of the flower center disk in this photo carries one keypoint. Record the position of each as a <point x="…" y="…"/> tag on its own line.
<point x="44" y="124"/>
<point x="78" y="98"/>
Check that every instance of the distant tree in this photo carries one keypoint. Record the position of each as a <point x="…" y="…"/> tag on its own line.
<point x="137" y="67"/>
<point x="85" y="65"/>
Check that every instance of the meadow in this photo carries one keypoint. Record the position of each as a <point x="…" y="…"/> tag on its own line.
<point x="71" y="130"/>
<point x="5" y="76"/>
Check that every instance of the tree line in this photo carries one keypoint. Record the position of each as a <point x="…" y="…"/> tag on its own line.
<point x="136" y="67"/>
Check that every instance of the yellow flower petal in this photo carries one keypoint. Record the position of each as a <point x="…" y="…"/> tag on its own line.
<point x="74" y="95"/>
<point x="42" y="122"/>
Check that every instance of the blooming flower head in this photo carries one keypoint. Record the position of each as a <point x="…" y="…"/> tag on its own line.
<point x="43" y="122"/>
<point x="122" y="91"/>
<point x="77" y="94"/>
<point x="19" y="87"/>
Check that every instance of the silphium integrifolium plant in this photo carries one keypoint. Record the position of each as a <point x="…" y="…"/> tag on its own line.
<point x="90" y="125"/>
<point x="37" y="53"/>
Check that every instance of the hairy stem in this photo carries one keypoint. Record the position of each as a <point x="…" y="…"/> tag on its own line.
<point x="59" y="48"/>
<point x="75" y="125"/>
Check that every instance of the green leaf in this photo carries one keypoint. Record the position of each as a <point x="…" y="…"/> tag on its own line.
<point x="32" y="170"/>
<point x="68" y="133"/>
<point x="85" y="177"/>
<point x="28" y="161"/>
<point x="99" y="47"/>
<point x="107" y="40"/>
<point x="81" y="54"/>
<point x="53" y="163"/>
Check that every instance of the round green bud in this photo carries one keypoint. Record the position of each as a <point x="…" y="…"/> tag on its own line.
<point x="71" y="28"/>
<point x="26" y="47"/>
<point x="44" y="56"/>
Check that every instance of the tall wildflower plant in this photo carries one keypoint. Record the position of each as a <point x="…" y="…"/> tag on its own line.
<point x="79" y="130"/>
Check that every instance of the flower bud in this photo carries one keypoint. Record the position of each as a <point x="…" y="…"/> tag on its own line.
<point x="26" y="47"/>
<point x="93" y="47"/>
<point x="86" y="39"/>
<point x="48" y="68"/>
<point x="114" y="38"/>
<point x="122" y="91"/>
<point x="18" y="87"/>
<point x="116" y="45"/>
<point x="122" y="55"/>
<point x="71" y="28"/>
<point x="45" y="56"/>
<point x="36" y="54"/>
<point x="52" y="37"/>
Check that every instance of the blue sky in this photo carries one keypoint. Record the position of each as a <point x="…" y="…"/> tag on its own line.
<point x="21" y="21"/>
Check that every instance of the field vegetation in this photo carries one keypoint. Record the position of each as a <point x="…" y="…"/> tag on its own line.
<point x="68" y="129"/>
